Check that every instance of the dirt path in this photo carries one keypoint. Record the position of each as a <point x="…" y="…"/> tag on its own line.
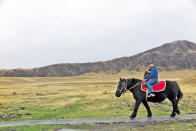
<point x="95" y="120"/>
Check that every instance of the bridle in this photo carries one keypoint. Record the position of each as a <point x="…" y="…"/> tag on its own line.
<point x="124" y="88"/>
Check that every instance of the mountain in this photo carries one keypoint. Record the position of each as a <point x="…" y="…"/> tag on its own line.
<point x="170" y="56"/>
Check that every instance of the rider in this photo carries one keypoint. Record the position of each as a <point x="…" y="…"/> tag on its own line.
<point x="151" y="78"/>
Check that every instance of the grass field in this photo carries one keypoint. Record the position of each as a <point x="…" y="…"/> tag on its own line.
<point x="86" y="96"/>
<point x="180" y="125"/>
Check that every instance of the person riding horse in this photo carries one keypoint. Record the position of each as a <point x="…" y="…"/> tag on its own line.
<point x="151" y="77"/>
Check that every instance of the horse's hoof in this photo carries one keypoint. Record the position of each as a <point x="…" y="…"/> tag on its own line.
<point x="149" y="116"/>
<point x="132" y="117"/>
<point x="178" y="112"/>
<point x="172" y="115"/>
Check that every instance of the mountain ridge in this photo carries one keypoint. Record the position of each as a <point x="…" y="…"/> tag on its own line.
<point x="176" y="55"/>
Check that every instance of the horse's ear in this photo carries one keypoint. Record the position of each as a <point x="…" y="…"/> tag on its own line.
<point x="120" y="79"/>
<point x="133" y="80"/>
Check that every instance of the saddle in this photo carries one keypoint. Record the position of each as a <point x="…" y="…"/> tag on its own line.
<point x="156" y="83"/>
<point x="157" y="86"/>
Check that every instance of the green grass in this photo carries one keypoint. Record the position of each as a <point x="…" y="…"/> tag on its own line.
<point x="178" y="125"/>
<point x="87" y="96"/>
<point x="39" y="127"/>
<point x="183" y="126"/>
<point x="94" y="109"/>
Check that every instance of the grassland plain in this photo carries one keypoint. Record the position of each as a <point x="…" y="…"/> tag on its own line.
<point x="178" y="125"/>
<point x="86" y="96"/>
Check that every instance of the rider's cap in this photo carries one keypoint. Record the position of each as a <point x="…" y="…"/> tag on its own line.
<point x="149" y="63"/>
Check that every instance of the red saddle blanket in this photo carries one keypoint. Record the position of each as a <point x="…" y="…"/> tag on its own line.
<point x="157" y="87"/>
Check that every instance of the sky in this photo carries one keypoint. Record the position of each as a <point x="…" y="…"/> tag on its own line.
<point x="35" y="33"/>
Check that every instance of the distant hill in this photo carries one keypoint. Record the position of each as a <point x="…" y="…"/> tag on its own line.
<point x="170" y="56"/>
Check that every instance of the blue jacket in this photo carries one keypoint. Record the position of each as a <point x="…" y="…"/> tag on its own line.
<point x="153" y="74"/>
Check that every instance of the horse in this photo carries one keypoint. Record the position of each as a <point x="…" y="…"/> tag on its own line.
<point x="172" y="92"/>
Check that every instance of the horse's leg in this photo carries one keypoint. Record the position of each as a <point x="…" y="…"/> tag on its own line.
<point x="137" y="104"/>
<point x="172" y="93"/>
<point x="177" y="110"/>
<point x="147" y="108"/>
<point x="175" y="107"/>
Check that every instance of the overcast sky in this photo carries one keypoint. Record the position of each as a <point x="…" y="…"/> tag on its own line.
<point x="36" y="33"/>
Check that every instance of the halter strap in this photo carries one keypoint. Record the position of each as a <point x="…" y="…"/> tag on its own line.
<point x="126" y="85"/>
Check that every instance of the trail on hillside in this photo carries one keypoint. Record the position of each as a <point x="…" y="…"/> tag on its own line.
<point x="95" y="120"/>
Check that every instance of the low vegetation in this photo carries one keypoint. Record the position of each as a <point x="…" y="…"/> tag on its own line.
<point x="180" y="125"/>
<point x="86" y="96"/>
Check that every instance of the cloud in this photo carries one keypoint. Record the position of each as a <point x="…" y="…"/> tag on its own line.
<point x="37" y="33"/>
<point x="193" y="2"/>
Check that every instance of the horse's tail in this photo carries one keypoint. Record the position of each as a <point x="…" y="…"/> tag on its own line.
<point x="179" y="95"/>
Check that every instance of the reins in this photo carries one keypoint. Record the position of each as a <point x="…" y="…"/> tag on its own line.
<point x="134" y="85"/>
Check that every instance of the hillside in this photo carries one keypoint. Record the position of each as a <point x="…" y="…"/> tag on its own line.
<point x="170" y="56"/>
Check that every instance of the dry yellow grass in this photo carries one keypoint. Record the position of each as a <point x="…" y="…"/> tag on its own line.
<point x="94" y="92"/>
<point x="91" y="85"/>
<point x="190" y="79"/>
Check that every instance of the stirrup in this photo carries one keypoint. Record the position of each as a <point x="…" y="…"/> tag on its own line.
<point x="151" y="95"/>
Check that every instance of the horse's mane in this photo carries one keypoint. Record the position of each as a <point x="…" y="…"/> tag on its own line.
<point x="135" y="79"/>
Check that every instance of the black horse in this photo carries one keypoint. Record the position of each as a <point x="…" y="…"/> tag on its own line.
<point x="172" y="92"/>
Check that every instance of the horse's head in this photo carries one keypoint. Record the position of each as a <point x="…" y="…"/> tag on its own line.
<point x="122" y="87"/>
